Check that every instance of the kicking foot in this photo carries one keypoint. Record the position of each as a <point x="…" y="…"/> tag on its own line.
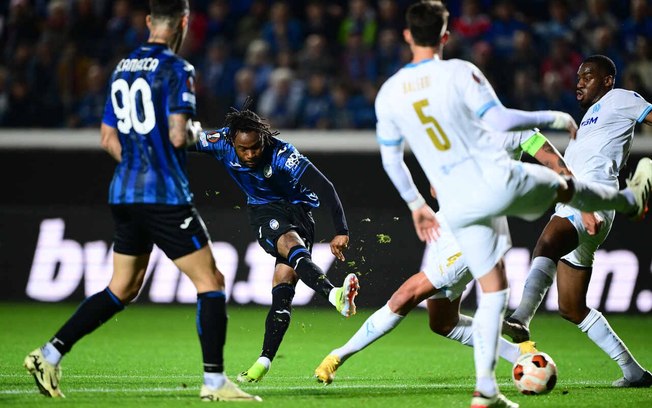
<point x="346" y="295"/>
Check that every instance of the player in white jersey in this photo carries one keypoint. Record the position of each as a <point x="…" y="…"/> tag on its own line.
<point x="442" y="279"/>
<point x="567" y="245"/>
<point x="444" y="110"/>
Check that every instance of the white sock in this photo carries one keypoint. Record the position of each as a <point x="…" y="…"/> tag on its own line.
<point x="214" y="380"/>
<point x="486" y="331"/>
<point x="598" y="329"/>
<point x="382" y="321"/>
<point x="332" y="296"/>
<point x="265" y="361"/>
<point x="51" y="354"/>
<point x="539" y="279"/>
<point x="463" y="333"/>
<point x="594" y="197"/>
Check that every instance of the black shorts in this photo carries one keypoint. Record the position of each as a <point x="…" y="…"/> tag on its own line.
<point x="270" y="221"/>
<point x="177" y="230"/>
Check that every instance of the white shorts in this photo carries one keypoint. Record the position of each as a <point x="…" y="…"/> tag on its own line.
<point x="477" y="215"/>
<point x="587" y="244"/>
<point x="445" y="266"/>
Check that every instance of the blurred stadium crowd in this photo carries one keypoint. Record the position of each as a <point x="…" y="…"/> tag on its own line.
<point x="309" y="63"/>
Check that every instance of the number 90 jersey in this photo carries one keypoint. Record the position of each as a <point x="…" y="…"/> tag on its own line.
<point x="437" y="107"/>
<point x="146" y="87"/>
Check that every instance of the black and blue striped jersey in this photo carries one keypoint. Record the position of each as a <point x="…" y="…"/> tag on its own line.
<point x="275" y="178"/>
<point x="146" y="87"/>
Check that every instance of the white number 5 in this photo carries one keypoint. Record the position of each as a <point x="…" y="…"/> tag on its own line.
<point x="126" y="108"/>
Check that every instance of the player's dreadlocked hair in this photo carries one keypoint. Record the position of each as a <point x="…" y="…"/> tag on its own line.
<point x="247" y="120"/>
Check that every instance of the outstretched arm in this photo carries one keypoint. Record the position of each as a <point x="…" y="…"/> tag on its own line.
<point x="315" y="180"/>
<point x="423" y="217"/>
<point x="502" y="118"/>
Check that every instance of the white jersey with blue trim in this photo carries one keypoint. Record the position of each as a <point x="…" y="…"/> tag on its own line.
<point x="605" y="135"/>
<point x="437" y="106"/>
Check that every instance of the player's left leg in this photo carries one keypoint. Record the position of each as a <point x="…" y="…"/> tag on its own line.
<point x="276" y="324"/>
<point x="445" y="319"/>
<point x="486" y="333"/>
<point x="572" y="284"/>
<point x="412" y="292"/>
<point x="43" y="363"/>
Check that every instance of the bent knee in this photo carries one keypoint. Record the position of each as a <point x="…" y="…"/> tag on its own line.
<point x="442" y="328"/>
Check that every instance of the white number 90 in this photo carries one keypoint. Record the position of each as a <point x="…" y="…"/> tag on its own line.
<point x="126" y="111"/>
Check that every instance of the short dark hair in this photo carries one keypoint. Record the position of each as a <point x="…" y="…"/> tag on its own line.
<point x="168" y="8"/>
<point x="246" y="120"/>
<point x="427" y="20"/>
<point x="604" y="64"/>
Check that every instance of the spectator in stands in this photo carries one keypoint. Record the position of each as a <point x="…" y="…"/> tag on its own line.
<point x="319" y="22"/>
<point x="638" y="23"/>
<point x="315" y="57"/>
<point x="641" y="61"/>
<point x="564" y="60"/>
<point x="47" y="101"/>
<point x="603" y="41"/>
<point x="504" y="25"/>
<point x="219" y="22"/>
<point x="89" y="111"/>
<point x="556" y="97"/>
<point x="472" y="24"/>
<point x="258" y="60"/>
<point x="245" y="87"/>
<point x="279" y="103"/>
<point x="388" y="53"/>
<point x="595" y="14"/>
<point x="282" y="31"/>
<point x="342" y="114"/>
<point x="558" y="24"/>
<point x="357" y="62"/>
<point x="360" y="21"/>
<point x="316" y="103"/>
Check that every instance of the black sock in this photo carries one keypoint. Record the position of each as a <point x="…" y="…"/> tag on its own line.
<point x="211" y="327"/>
<point x="278" y="319"/>
<point x="90" y="315"/>
<point x="301" y="261"/>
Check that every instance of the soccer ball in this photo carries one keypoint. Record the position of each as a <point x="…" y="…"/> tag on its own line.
<point x="534" y="373"/>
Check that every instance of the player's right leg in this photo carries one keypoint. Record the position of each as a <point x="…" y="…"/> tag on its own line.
<point x="559" y="237"/>
<point x="412" y="292"/>
<point x="572" y="284"/>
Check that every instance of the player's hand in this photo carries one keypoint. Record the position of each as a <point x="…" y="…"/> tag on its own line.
<point x="592" y="222"/>
<point x="193" y="131"/>
<point x="564" y="121"/>
<point x="425" y="223"/>
<point x="338" y="244"/>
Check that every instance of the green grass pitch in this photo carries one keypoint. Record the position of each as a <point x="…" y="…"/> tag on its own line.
<point x="148" y="356"/>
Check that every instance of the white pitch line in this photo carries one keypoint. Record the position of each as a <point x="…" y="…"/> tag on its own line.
<point x="258" y="388"/>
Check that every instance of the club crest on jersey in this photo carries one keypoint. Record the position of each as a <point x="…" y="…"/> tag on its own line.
<point x="267" y="171"/>
<point x="596" y="108"/>
<point x="273" y="224"/>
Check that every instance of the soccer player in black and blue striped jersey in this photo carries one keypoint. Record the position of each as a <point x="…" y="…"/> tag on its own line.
<point x="146" y="128"/>
<point x="282" y="188"/>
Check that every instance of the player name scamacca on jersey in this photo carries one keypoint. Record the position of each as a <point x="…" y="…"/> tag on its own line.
<point x="133" y="65"/>
<point x="60" y="265"/>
